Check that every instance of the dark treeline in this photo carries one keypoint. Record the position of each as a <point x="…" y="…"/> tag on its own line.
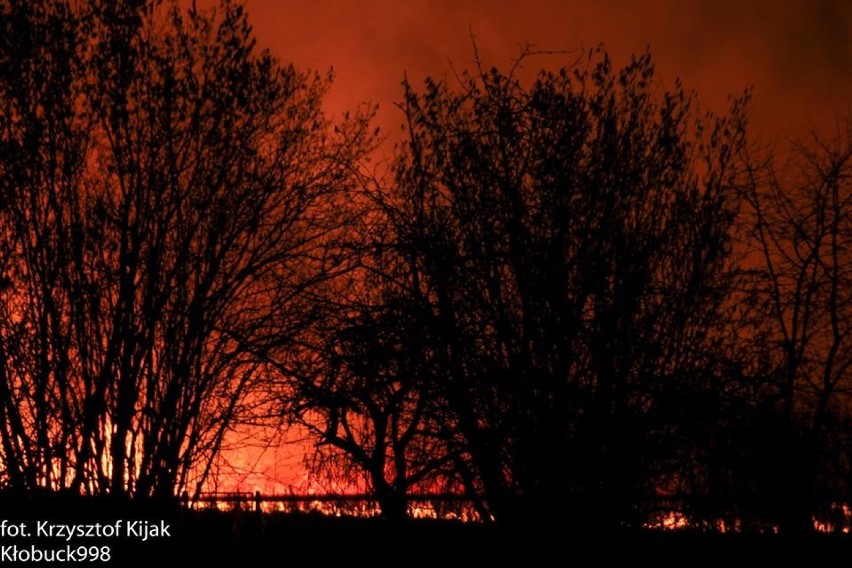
<point x="569" y="299"/>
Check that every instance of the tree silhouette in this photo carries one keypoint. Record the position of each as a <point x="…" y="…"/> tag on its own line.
<point x="555" y="264"/>
<point x="572" y="300"/>
<point x="168" y="190"/>
<point x="365" y="394"/>
<point x="798" y="218"/>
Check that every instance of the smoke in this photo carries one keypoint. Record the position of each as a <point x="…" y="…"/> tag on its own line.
<point x="797" y="54"/>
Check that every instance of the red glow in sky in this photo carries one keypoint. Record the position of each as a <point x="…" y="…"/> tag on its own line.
<point x="796" y="53"/>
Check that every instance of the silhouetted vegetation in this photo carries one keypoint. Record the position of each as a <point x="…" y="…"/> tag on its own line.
<point x="577" y="300"/>
<point x="226" y="538"/>
<point x="168" y="194"/>
<point x="552" y="268"/>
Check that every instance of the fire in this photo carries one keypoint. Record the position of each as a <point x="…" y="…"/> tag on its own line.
<point x="668" y="521"/>
<point x="839" y="514"/>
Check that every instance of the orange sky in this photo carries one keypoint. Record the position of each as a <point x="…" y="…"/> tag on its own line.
<point x="796" y="53"/>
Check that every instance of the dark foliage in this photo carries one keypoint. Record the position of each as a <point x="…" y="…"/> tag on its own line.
<point x="576" y="300"/>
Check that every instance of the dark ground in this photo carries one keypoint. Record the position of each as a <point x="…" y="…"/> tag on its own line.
<point x="245" y="539"/>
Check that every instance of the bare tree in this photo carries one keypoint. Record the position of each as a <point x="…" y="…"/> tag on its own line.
<point x="44" y="146"/>
<point x="572" y="240"/>
<point x="182" y="212"/>
<point x="799" y="241"/>
<point x="550" y="272"/>
<point x="364" y="394"/>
